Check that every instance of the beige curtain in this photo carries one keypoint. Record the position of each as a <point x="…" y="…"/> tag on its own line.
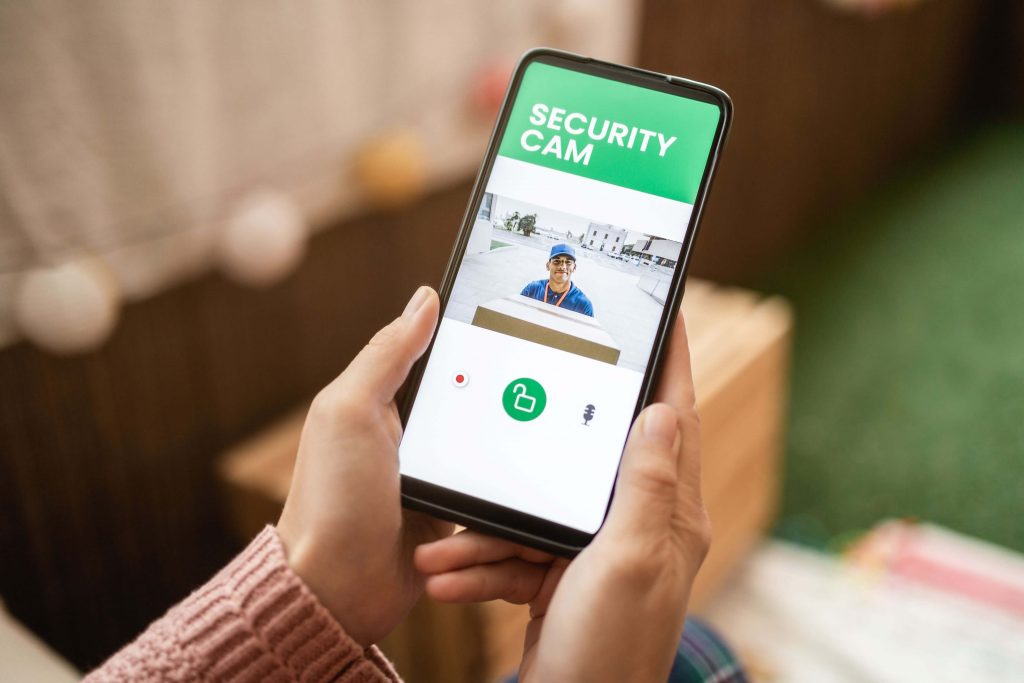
<point x="128" y="126"/>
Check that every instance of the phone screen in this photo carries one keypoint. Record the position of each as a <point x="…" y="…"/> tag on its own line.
<point x="535" y="373"/>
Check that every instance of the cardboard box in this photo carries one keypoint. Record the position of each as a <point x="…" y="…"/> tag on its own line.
<point x="739" y="345"/>
<point x="535" y="321"/>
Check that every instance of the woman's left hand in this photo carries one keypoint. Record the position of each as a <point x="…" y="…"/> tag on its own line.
<point x="343" y="527"/>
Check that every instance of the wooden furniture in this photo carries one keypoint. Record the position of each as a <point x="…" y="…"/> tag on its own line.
<point x="740" y="353"/>
<point x="23" y="657"/>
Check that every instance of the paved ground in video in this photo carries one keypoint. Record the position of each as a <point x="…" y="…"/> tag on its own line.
<point x="629" y="314"/>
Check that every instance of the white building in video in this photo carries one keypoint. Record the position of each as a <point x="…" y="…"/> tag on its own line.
<point x="604" y="237"/>
<point x="658" y="251"/>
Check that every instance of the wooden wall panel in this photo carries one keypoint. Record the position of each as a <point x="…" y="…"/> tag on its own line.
<point x="108" y="508"/>
<point x="827" y="103"/>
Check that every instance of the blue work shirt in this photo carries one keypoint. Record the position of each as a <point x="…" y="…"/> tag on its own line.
<point x="575" y="299"/>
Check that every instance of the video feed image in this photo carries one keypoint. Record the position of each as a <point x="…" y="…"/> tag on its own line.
<point x="568" y="282"/>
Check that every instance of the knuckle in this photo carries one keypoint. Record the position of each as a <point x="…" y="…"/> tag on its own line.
<point x="534" y="555"/>
<point x="634" y="570"/>
<point x="695" y="535"/>
<point x="519" y="591"/>
<point x="387" y="347"/>
<point x="689" y="419"/>
<point x="702" y="534"/>
<point x="323" y="404"/>
<point x="656" y="477"/>
<point x="334" y="405"/>
<point x="385" y="336"/>
<point x="356" y="412"/>
<point x="476" y="550"/>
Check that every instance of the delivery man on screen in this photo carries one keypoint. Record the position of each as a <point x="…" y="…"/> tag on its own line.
<point x="557" y="289"/>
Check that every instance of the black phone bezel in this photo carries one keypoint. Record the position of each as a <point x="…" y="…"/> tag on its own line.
<point x="484" y="515"/>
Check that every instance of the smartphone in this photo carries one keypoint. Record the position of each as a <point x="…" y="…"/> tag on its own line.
<point x="558" y="297"/>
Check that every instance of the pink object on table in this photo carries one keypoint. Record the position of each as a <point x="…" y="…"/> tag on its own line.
<point x="945" y="560"/>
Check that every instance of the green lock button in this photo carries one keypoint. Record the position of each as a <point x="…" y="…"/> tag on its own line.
<point x="524" y="399"/>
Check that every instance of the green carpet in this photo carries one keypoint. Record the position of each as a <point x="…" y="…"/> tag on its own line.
<point x="908" y="379"/>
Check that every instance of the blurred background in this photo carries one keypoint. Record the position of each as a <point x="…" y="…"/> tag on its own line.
<point x="207" y="209"/>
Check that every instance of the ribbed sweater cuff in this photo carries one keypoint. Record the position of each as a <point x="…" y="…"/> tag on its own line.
<point x="255" y="620"/>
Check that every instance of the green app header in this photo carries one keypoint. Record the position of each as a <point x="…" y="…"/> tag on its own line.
<point x="614" y="132"/>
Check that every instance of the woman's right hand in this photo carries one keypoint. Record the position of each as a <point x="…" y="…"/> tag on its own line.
<point x="615" y="612"/>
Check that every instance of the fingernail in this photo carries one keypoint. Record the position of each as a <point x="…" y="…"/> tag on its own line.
<point x="417" y="301"/>
<point x="661" y="424"/>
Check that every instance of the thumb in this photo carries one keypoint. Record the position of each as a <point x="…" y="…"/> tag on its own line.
<point x="380" y="368"/>
<point x="647" y="488"/>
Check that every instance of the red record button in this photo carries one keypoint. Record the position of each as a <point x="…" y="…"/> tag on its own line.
<point x="460" y="379"/>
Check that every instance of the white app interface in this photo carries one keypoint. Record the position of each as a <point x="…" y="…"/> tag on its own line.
<point x="528" y="394"/>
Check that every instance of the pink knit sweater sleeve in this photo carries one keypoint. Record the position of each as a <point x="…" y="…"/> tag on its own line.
<point x="254" y="621"/>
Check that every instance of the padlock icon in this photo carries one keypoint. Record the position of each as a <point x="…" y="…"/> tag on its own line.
<point x="524" y="402"/>
<point x="524" y="399"/>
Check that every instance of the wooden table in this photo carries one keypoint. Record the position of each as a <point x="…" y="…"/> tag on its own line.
<point x="740" y="347"/>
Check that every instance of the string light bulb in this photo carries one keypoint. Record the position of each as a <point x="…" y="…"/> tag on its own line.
<point x="68" y="308"/>
<point x="263" y="239"/>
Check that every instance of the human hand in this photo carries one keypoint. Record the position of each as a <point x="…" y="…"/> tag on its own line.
<point x="342" y="527"/>
<point x="616" y="611"/>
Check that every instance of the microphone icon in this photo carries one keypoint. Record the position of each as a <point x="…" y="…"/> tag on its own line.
<point x="588" y="415"/>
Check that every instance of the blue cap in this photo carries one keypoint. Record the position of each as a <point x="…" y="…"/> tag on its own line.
<point x="560" y="249"/>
